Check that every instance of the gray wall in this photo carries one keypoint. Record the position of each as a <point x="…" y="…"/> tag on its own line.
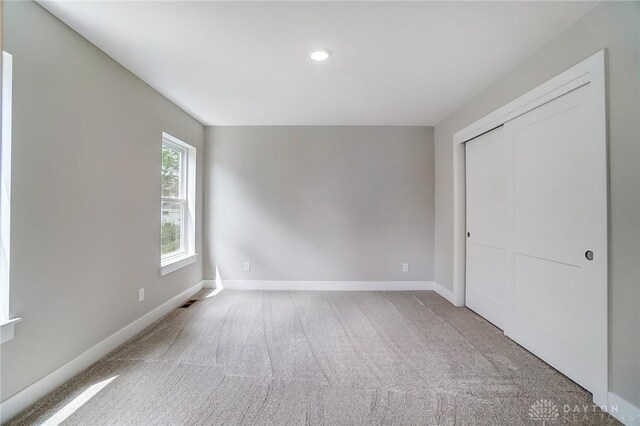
<point x="611" y="25"/>
<point x="86" y="195"/>
<point x="319" y="203"/>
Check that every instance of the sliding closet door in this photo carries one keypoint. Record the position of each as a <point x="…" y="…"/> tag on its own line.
<point x="558" y="254"/>
<point x="486" y="181"/>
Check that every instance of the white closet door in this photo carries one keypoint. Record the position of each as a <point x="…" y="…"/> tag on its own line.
<point x="486" y="181"/>
<point x="558" y="198"/>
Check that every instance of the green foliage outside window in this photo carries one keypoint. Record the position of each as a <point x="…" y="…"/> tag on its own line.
<point x="171" y="169"/>
<point x="172" y="214"/>
<point x="170" y="235"/>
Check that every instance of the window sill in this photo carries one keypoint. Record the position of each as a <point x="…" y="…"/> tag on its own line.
<point x="6" y="329"/>
<point x="173" y="264"/>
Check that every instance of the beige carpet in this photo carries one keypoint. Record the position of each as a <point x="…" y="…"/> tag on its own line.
<point x="332" y="358"/>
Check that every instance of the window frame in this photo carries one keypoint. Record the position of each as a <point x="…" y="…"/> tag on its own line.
<point x="186" y="197"/>
<point x="6" y="322"/>
<point x="180" y="199"/>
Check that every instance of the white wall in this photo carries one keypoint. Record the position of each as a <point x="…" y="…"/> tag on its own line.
<point x="611" y="25"/>
<point x="336" y="203"/>
<point x="86" y="195"/>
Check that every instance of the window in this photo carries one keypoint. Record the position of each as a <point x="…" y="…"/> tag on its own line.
<point x="177" y="212"/>
<point x="174" y="200"/>
<point x="6" y="322"/>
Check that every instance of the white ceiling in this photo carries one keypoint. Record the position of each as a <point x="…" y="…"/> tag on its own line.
<point x="246" y="63"/>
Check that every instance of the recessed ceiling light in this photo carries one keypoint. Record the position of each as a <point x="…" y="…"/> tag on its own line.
<point x="320" y="55"/>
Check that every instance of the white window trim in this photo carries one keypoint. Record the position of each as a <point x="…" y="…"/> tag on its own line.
<point x="177" y="262"/>
<point x="6" y="323"/>
<point x="188" y="255"/>
<point x="7" y="329"/>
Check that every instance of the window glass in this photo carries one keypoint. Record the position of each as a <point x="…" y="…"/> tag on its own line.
<point x="172" y="235"/>
<point x="172" y="160"/>
<point x="174" y="200"/>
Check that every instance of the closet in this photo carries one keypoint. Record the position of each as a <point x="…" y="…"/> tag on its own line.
<point x="536" y="242"/>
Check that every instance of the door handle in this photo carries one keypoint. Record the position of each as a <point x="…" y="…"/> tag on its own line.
<point x="589" y="255"/>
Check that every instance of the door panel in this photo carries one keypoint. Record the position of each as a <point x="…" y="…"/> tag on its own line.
<point x="486" y="289"/>
<point x="558" y="187"/>
<point x="548" y="195"/>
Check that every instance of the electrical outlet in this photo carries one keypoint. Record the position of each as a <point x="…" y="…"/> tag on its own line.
<point x="140" y="294"/>
<point x="247" y="266"/>
<point x="405" y="267"/>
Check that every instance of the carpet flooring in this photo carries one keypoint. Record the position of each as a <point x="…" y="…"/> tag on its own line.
<point x="318" y="358"/>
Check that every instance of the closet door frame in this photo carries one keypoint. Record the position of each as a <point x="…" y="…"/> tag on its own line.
<point x="591" y="72"/>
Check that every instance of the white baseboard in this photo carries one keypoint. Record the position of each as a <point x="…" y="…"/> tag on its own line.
<point x="627" y="413"/>
<point x="445" y="292"/>
<point x="209" y="284"/>
<point x="325" y="285"/>
<point x="34" y="392"/>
